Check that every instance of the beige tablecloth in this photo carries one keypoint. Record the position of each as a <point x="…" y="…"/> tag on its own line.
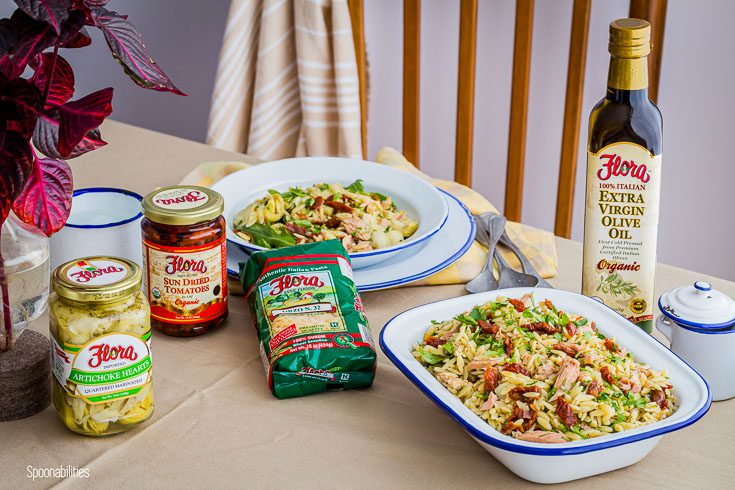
<point x="217" y="425"/>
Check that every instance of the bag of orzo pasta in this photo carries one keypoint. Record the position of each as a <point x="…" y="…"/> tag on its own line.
<point x="311" y="325"/>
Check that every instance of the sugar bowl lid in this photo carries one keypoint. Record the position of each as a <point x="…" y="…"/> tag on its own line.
<point x="698" y="306"/>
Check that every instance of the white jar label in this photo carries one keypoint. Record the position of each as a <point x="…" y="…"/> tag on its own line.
<point x="109" y="367"/>
<point x="180" y="198"/>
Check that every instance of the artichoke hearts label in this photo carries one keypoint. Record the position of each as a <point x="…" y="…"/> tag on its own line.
<point x="186" y="284"/>
<point x="621" y="223"/>
<point x="180" y="198"/>
<point x="109" y="367"/>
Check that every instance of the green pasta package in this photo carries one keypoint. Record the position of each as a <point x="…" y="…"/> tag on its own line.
<point x="313" y="332"/>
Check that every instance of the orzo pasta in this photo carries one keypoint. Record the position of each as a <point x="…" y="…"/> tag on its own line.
<point x="543" y="375"/>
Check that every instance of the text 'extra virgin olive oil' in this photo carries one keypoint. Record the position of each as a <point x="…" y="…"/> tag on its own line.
<point x="624" y="181"/>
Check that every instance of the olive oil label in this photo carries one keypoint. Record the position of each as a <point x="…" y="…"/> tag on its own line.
<point x="186" y="284"/>
<point x="109" y="367"/>
<point x="621" y="223"/>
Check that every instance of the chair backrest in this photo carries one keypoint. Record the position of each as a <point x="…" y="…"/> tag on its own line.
<point x="652" y="10"/>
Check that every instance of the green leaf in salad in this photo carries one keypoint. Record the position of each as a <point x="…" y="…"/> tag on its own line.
<point x="266" y="236"/>
<point x="273" y="192"/>
<point x="379" y="196"/>
<point x="465" y="319"/>
<point x="356" y="187"/>
<point x="580" y="322"/>
<point x="449" y="347"/>
<point x="430" y="357"/>
<point x="477" y="314"/>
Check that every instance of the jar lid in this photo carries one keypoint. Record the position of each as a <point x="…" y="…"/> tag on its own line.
<point x="698" y="306"/>
<point x="182" y="205"/>
<point x="97" y="279"/>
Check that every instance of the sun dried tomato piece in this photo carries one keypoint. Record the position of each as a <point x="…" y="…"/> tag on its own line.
<point x="565" y="413"/>
<point x="508" y="345"/>
<point x="594" y="389"/>
<point x="571" y="329"/>
<point x="293" y="228"/>
<point x="607" y="375"/>
<point x="567" y="348"/>
<point x="340" y="207"/>
<point x="332" y="222"/>
<point x="518" y="392"/>
<point x="517" y="304"/>
<point x="659" y="397"/>
<point x="488" y="327"/>
<point x="542" y="327"/>
<point x="610" y="345"/>
<point x="516" y="368"/>
<point x="492" y="378"/>
<point x="434" y="341"/>
<point x="317" y="202"/>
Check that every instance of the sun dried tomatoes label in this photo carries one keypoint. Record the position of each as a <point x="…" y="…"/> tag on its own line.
<point x="186" y="284"/>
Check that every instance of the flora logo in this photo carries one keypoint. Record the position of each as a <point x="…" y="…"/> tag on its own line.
<point x="177" y="263"/>
<point x="102" y="353"/>
<point x="192" y="196"/>
<point x="282" y="283"/>
<point x="88" y="271"/>
<point x="616" y="167"/>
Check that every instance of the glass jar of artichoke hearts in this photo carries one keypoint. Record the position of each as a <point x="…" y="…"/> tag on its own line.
<point x="100" y="346"/>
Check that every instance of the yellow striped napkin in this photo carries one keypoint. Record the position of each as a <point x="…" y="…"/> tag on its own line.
<point x="537" y="245"/>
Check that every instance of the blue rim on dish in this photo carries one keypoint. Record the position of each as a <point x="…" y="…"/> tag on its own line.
<point x="432" y="270"/>
<point x="360" y="255"/>
<point x="706" y="328"/>
<point x="114" y="190"/>
<point x="542" y="451"/>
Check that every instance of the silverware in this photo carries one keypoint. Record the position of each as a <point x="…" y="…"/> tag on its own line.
<point x="525" y="263"/>
<point x="488" y="233"/>
<point x="510" y="278"/>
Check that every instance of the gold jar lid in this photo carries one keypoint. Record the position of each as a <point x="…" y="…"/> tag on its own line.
<point x="630" y="38"/>
<point x="97" y="279"/>
<point x="183" y="205"/>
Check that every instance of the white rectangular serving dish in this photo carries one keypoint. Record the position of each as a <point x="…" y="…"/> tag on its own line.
<point x="552" y="463"/>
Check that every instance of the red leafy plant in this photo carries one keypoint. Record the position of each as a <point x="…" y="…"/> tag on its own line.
<point x="41" y="125"/>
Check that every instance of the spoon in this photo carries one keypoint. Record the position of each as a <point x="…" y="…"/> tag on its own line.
<point x="488" y="234"/>
<point x="509" y="277"/>
<point x="525" y="263"/>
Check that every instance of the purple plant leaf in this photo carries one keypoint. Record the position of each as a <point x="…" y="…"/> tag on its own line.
<point x="78" y="117"/>
<point x="71" y="29"/>
<point x="128" y="49"/>
<point x="45" y="201"/>
<point x="33" y="37"/>
<point x="96" y="3"/>
<point x="20" y="105"/>
<point x="53" y="12"/>
<point x="61" y="88"/>
<point x="8" y="68"/>
<point x="15" y="167"/>
<point x="79" y="40"/>
<point x="46" y="139"/>
<point x="8" y="35"/>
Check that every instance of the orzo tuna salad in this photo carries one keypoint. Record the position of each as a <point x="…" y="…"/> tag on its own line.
<point x="540" y="374"/>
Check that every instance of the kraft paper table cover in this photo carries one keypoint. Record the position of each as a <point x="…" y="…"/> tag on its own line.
<point x="217" y="425"/>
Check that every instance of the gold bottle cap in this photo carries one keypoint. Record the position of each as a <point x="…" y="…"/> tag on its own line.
<point x="630" y="38"/>
<point x="182" y="205"/>
<point x="97" y="279"/>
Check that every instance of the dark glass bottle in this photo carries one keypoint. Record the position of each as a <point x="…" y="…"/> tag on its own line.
<point x="623" y="181"/>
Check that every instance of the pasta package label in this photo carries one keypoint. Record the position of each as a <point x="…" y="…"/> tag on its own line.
<point x="109" y="367"/>
<point x="312" y="328"/>
<point x="186" y="284"/>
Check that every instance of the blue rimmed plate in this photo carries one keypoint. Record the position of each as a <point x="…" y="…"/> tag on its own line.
<point x="552" y="463"/>
<point x="409" y="265"/>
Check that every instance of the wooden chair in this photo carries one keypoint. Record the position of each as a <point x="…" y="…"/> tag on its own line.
<point x="652" y="10"/>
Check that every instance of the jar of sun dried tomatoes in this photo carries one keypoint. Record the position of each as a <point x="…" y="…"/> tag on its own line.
<point x="184" y="259"/>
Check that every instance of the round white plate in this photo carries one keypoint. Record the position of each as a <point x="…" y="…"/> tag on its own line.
<point x="421" y="200"/>
<point x="409" y="265"/>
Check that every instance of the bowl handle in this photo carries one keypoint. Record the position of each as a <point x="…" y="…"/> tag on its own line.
<point x="664" y="326"/>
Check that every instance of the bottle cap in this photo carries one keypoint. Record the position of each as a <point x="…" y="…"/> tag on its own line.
<point x="97" y="279"/>
<point x="182" y="205"/>
<point x="630" y="38"/>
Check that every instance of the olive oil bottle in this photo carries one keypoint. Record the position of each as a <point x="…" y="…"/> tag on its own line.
<point x="624" y="181"/>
